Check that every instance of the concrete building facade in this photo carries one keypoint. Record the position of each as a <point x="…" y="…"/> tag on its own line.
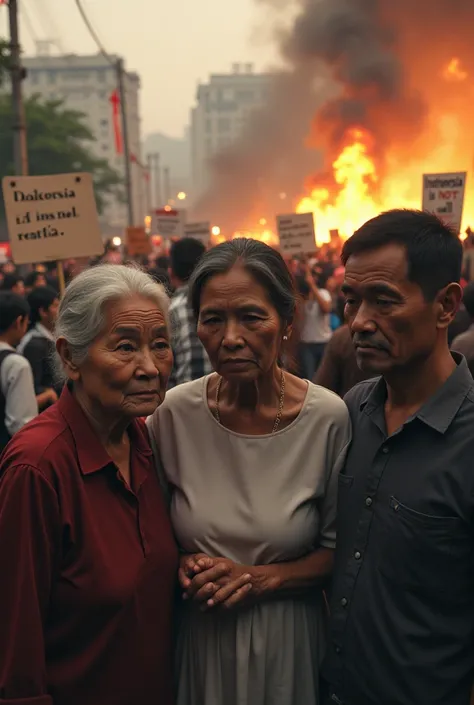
<point x="86" y="84"/>
<point x="223" y="107"/>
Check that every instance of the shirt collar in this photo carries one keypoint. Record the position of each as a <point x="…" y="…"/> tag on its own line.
<point x="440" y="410"/>
<point x="44" y="332"/>
<point x="91" y="453"/>
<point x="181" y="290"/>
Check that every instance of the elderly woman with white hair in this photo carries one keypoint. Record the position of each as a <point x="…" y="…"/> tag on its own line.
<point x="87" y="555"/>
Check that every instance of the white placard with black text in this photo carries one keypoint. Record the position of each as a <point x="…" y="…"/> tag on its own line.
<point x="199" y="231"/>
<point x="443" y="195"/>
<point x="51" y="217"/>
<point x="296" y="232"/>
<point x="168" y="222"/>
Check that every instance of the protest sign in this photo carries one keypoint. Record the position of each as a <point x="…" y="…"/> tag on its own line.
<point x="199" y="231"/>
<point x="443" y="195"/>
<point x="168" y="222"/>
<point x="296" y="232"/>
<point x="138" y="242"/>
<point x="51" y="217"/>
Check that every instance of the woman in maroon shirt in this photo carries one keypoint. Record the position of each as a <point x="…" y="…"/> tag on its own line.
<point x="87" y="557"/>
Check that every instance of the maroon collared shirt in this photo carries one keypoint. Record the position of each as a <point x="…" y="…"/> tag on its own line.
<point x="87" y="569"/>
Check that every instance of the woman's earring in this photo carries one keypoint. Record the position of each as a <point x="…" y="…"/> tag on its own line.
<point x="285" y="337"/>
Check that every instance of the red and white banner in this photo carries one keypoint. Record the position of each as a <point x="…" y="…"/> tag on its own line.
<point x="115" y="103"/>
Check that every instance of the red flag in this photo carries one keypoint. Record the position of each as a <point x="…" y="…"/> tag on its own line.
<point x="115" y="102"/>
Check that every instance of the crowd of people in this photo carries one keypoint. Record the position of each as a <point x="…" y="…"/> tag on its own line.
<point x="287" y="442"/>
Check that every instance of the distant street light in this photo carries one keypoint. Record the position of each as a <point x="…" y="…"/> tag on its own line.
<point x="116" y="241"/>
<point x="216" y="230"/>
<point x="181" y="196"/>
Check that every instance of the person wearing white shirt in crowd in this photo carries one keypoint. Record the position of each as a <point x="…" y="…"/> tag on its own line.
<point x="315" y="330"/>
<point x="17" y="393"/>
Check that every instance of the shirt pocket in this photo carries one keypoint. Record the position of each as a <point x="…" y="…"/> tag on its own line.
<point x="421" y="551"/>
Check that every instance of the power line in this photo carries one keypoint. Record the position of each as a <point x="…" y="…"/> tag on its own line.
<point x="28" y="23"/>
<point x="93" y="33"/>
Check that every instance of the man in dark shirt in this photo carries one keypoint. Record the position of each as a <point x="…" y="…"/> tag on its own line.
<point x="402" y="609"/>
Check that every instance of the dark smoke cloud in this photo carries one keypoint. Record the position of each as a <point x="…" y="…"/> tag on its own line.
<point x="374" y="52"/>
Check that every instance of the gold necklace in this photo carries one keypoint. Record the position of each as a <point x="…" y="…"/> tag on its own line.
<point x="280" y="406"/>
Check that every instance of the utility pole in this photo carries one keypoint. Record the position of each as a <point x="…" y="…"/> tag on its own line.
<point x="20" y="150"/>
<point x="166" y="179"/>
<point x="126" y="146"/>
<point x="149" y="164"/>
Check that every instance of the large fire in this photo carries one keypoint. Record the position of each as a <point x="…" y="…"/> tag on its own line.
<point x="358" y="190"/>
<point x="361" y="193"/>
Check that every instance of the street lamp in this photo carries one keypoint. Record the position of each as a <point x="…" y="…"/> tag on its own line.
<point x="181" y="196"/>
<point x="216" y="230"/>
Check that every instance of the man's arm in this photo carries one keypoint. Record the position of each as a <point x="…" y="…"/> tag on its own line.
<point x="18" y="387"/>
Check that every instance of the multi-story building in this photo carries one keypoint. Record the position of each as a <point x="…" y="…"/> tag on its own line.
<point x="87" y="84"/>
<point x="223" y="108"/>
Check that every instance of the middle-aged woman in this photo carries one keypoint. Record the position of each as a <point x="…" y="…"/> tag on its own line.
<point x="252" y="454"/>
<point x="87" y="556"/>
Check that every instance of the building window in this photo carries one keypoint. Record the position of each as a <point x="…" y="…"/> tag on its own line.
<point x="101" y="77"/>
<point x="104" y="123"/>
<point x="34" y="78"/>
<point x="209" y="126"/>
<point x="224" y="124"/>
<point x="245" y="96"/>
<point x="51" y="76"/>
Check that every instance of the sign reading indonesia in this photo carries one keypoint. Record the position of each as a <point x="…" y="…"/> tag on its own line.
<point x="51" y="217"/>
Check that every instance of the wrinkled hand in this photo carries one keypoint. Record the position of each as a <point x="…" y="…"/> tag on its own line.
<point x="214" y="582"/>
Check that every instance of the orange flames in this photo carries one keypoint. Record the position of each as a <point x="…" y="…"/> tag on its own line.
<point x="358" y="189"/>
<point x="361" y="193"/>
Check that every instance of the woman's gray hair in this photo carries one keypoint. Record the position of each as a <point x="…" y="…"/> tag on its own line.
<point x="81" y="311"/>
<point x="264" y="263"/>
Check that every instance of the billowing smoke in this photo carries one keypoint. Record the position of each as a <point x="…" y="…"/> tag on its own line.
<point x="373" y="64"/>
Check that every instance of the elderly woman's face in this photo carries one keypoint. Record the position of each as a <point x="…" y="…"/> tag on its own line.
<point x="128" y="365"/>
<point x="239" y="326"/>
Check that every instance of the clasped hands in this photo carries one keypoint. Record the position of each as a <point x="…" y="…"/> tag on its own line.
<point x="216" y="582"/>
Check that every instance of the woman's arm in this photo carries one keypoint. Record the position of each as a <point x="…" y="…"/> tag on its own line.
<point x="29" y="546"/>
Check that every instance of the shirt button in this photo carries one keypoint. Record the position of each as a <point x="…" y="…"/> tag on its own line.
<point x="368" y="502"/>
<point x="344" y="602"/>
<point x="357" y="555"/>
<point x="385" y="449"/>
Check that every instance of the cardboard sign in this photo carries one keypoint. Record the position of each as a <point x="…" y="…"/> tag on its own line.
<point x="296" y="233"/>
<point x="138" y="242"/>
<point x="199" y="231"/>
<point x="443" y="195"/>
<point x="169" y="223"/>
<point x="51" y="217"/>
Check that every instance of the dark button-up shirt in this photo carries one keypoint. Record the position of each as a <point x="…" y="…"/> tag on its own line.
<point x="403" y="594"/>
<point x="88" y="569"/>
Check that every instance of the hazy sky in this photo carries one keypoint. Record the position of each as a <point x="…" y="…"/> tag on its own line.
<point x="172" y="44"/>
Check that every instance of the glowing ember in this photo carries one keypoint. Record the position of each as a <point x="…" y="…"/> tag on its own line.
<point x="454" y="71"/>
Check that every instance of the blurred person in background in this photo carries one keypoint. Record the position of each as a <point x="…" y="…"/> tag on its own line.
<point x="190" y="359"/>
<point x="14" y="283"/>
<point x="339" y="370"/>
<point x="87" y="553"/>
<point x="464" y="343"/>
<point x="17" y="393"/>
<point x="34" y="279"/>
<point x="38" y="345"/>
<point x="315" y="321"/>
<point x="252" y="454"/>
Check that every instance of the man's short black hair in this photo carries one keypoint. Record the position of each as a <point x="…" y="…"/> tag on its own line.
<point x="39" y="299"/>
<point x="32" y="277"/>
<point x="12" y="307"/>
<point x="468" y="298"/>
<point x="433" y="249"/>
<point x="184" y="256"/>
<point x="11" y="280"/>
